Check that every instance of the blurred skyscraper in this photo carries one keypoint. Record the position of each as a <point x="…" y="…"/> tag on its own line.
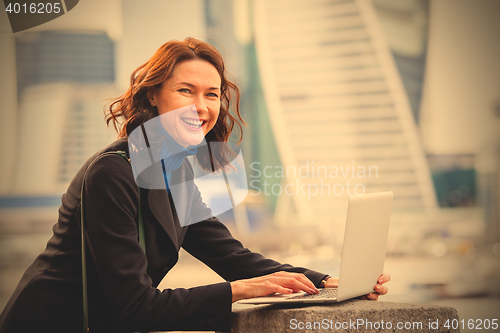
<point x="62" y="81"/>
<point x="56" y="56"/>
<point x="336" y="100"/>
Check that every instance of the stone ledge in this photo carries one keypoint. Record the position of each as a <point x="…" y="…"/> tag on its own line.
<point x="331" y="317"/>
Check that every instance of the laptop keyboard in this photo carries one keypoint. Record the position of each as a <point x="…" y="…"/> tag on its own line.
<point x="323" y="293"/>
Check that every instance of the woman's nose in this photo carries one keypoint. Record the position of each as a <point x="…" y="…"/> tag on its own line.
<point x="200" y="104"/>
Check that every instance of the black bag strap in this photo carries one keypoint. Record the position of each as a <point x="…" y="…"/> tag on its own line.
<point x="142" y="241"/>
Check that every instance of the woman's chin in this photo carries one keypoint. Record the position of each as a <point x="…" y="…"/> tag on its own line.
<point x="192" y="140"/>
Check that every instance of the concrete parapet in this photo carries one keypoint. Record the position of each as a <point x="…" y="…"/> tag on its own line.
<point x="348" y="316"/>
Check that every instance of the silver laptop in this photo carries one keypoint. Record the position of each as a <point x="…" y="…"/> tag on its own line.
<point x="363" y="254"/>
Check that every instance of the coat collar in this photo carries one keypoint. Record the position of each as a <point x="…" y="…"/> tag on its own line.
<point x="158" y="200"/>
<point x="161" y="204"/>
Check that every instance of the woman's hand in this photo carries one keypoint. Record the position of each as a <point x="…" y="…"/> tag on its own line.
<point x="332" y="282"/>
<point x="379" y="289"/>
<point x="279" y="282"/>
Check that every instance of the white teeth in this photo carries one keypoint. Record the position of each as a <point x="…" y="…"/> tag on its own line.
<point x="192" y="122"/>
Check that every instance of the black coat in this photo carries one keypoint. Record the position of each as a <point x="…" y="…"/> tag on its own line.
<point x="121" y="296"/>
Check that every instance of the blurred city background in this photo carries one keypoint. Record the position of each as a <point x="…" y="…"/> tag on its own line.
<point x="341" y="97"/>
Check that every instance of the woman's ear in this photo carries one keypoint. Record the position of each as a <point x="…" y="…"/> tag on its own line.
<point x="151" y="96"/>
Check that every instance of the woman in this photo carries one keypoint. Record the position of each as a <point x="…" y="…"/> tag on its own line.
<point x="122" y="277"/>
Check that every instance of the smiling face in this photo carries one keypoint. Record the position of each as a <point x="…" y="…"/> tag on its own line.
<point x="196" y="83"/>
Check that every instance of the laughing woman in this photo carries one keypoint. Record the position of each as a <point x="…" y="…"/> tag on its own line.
<point x="132" y="235"/>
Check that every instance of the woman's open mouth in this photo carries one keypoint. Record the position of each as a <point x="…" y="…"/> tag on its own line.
<point x="194" y="123"/>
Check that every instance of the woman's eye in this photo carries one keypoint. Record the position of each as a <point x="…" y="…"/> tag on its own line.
<point x="184" y="90"/>
<point x="213" y="95"/>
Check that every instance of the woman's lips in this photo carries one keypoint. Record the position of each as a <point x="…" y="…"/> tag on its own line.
<point x="195" y="124"/>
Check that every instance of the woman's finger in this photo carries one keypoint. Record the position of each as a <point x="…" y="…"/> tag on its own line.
<point x="303" y="279"/>
<point x="372" y="296"/>
<point x="297" y="281"/>
<point x="381" y="290"/>
<point x="295" y="284"/>
<point x="282" y="290"/>
<point x="384" y="278"/>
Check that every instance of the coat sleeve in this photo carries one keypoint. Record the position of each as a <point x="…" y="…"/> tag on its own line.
<point x="111" y="210"/>
<point x="212" y="243"/>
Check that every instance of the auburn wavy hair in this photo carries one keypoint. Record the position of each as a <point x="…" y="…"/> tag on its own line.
<point x="132" y="109"/>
